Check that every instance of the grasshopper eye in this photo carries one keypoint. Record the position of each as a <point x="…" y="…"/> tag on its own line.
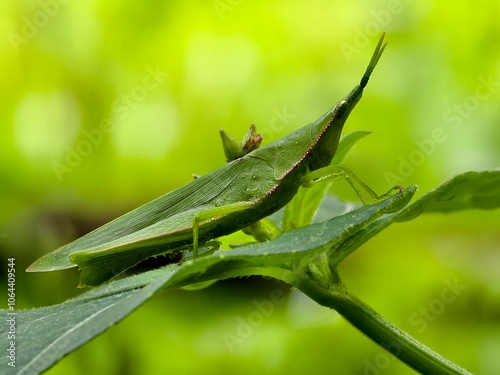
<point x="341" y="109"/>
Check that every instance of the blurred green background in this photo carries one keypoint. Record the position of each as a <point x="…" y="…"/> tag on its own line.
<point x="107" y="105"/>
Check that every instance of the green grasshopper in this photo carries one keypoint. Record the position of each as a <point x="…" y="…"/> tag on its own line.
<point x="255" y="183"/>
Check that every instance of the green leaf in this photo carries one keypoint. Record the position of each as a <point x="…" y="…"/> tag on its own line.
<point x="50" y="333"/>
<point x="470" y="190"/>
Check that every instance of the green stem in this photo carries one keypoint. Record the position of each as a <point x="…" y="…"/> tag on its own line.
<point x="387" y="335"/>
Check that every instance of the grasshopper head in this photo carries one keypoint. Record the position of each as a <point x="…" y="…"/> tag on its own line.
<point x="329" y="132"/>
<point x="346" y="105"/>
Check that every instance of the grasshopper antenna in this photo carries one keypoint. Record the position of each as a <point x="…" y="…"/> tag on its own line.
<point x="373" y="62"/>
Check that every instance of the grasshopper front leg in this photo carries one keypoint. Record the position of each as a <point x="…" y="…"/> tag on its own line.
<point x="334" y="172"/>
<point x="214" y="214"/>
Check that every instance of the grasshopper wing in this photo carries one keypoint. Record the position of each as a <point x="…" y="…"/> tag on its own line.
<point x="192" y="195"/>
